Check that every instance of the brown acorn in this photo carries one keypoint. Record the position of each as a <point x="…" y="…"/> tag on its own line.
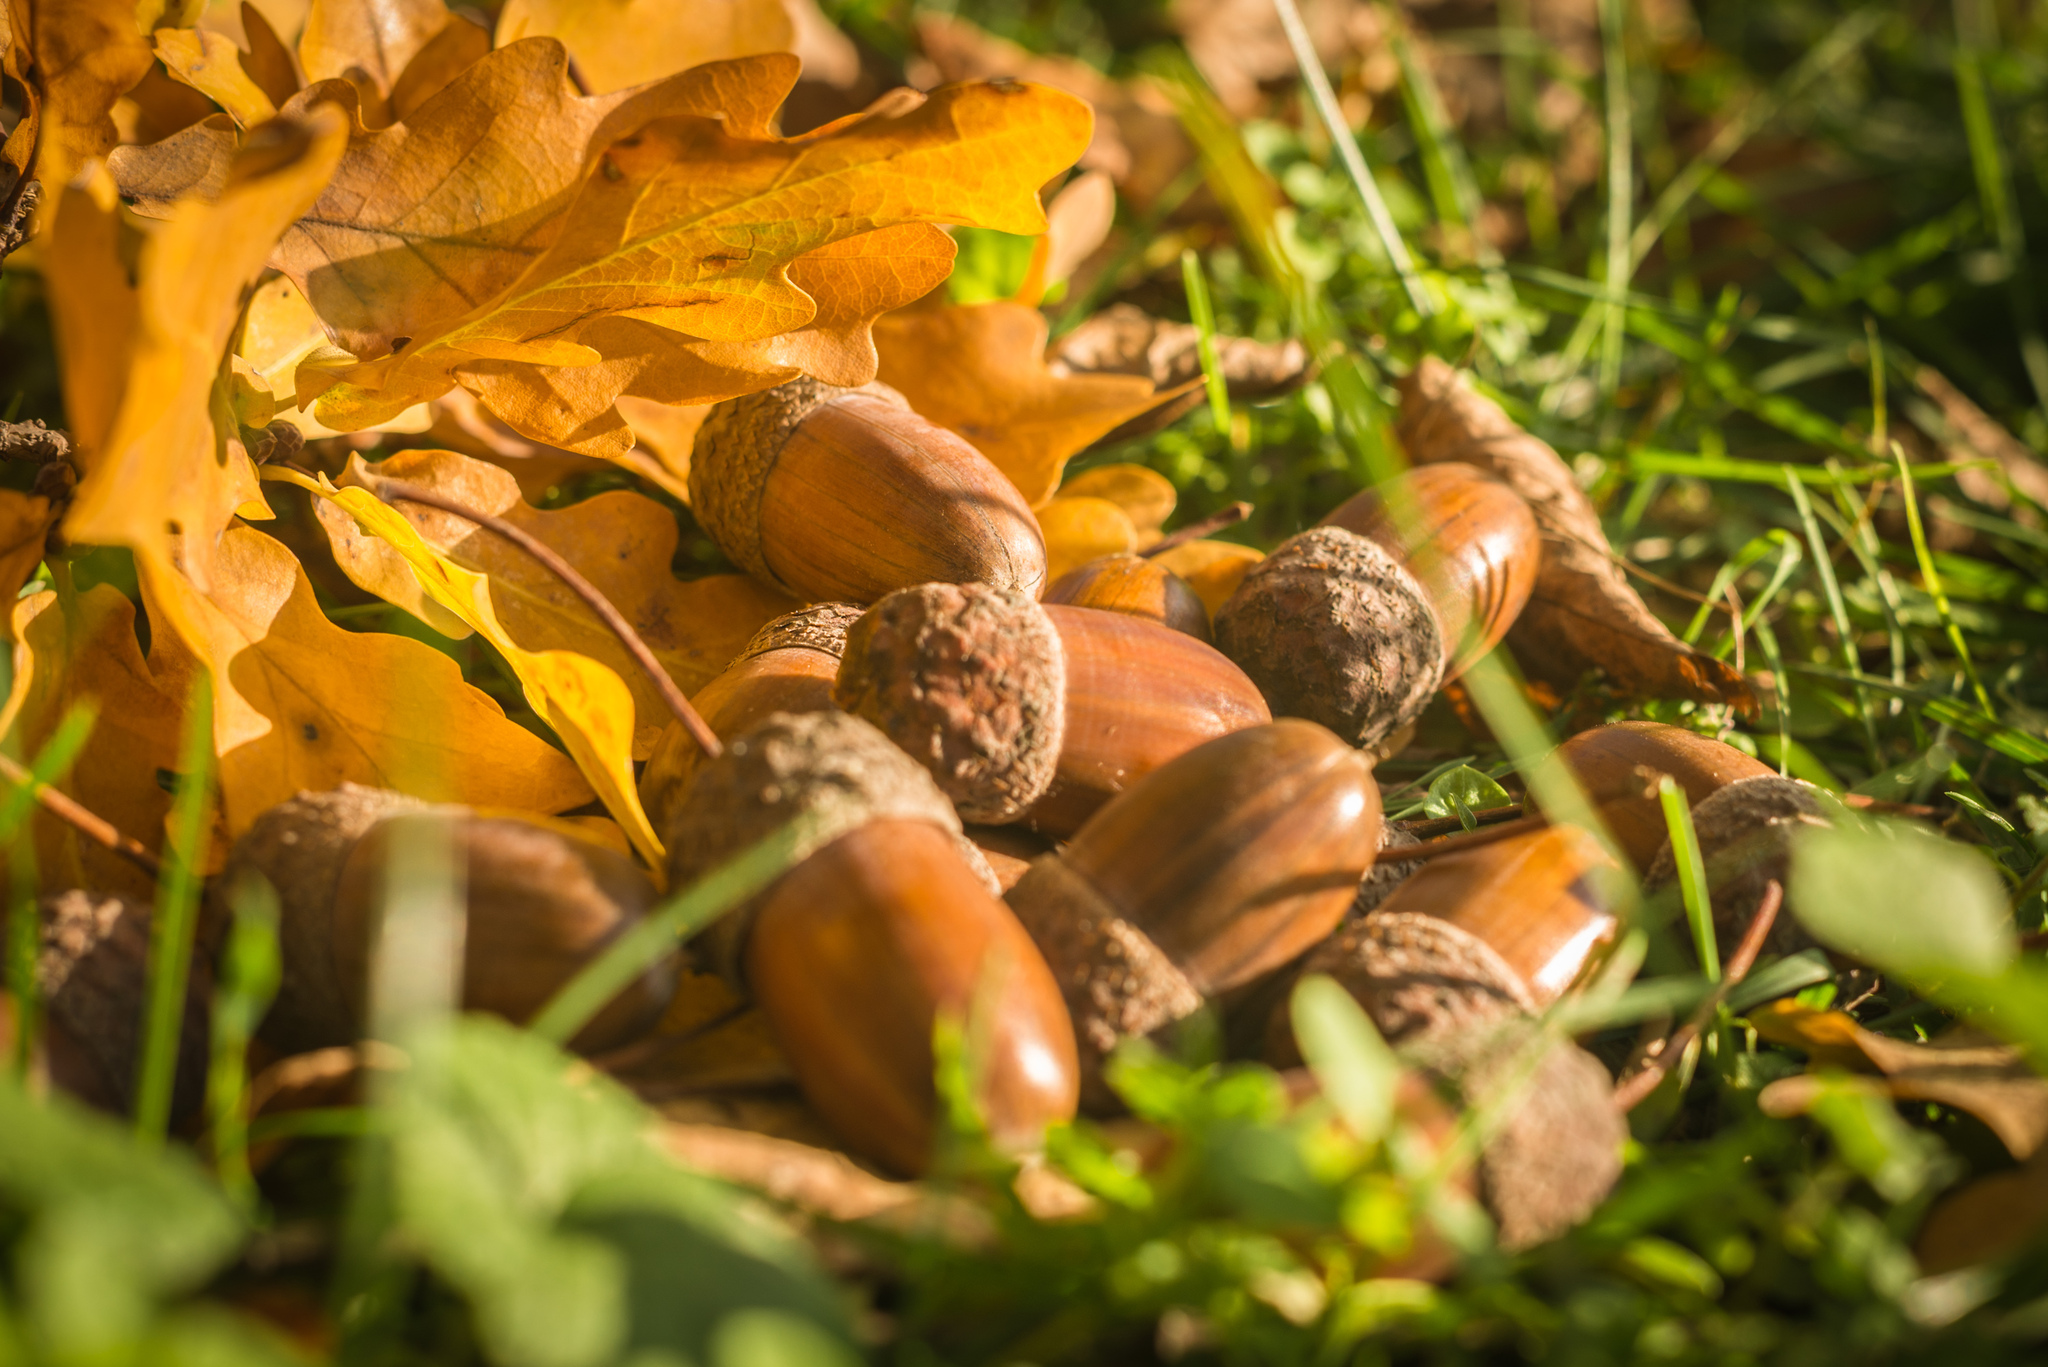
<point x="1469" y="539"/>
<point x="1527" y="898"/>
<point x="1135" y="585"/>
<point x="1618" y="767"/>
<point x="831" y="493"/>
<point x="1009" y="850"/>
<point x="1033" y="711"/>
<point x="541" y="901"/>
<point x="1745" y="832"/>
<point x="876" y="933"/>
<point x="1334" y="629"/>
<point x="1213" y="869"/>
<point x="789" y="666"/>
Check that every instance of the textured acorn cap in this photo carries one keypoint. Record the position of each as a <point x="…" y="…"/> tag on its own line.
<point x="1557" y="1151"/>
<point x="1414" y="975"/>
<point x="1745" y="832"/>
<point x="1117" y="983"/>
<point x="971" y="681"/>
<point x="832" y="768"/>
<point x="821" y="627"/>
<point x="1332" y="628"/>
<point x="1385" y="875"/>
<point x="300" y="845"/>
<point x="737" y="445"/>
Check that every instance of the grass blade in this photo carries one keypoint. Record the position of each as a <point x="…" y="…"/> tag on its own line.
<point x="171" y="928"/>
<point x="1621" y="190"/>
<point x="250" y="973"/>
<point x="1692" y="876"/>
<point x="1203" y="312"/>
<point x="1932" y="577"/>
<point x="1838" y="608"/>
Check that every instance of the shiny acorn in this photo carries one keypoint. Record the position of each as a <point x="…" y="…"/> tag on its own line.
<point x="1618" y="767"/>
<point x="541" y="900"/>
<point x="831" y="493"/>
<point x="1137" y="586"/>
<point x="1214" y="868"/>
<point x="788" y="666"/>
<point x="1023" y="710"/>
<point x="879" y="930"/>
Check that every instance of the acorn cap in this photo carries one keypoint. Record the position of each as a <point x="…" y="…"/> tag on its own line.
<point x="1557" y="1151"/>
<point x="1745" y="832"/>
<point x="1117" y="983"/>
<point x="300" y="845"/>
<point x="971" y="681"/>
<point x="1332" y="628"/>
<point x="834" y="769"/>
<point x="736" y="447"/>
<point x="821" y="627"/>
<point x="1414" y="975"/>
<point x="1384" y="876"/>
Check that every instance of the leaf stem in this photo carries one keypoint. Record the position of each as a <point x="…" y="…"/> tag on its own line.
<point x="67" y="809"/>
<point x="1201" y="527"/>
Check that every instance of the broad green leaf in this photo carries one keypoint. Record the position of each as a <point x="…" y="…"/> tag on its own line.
<point x="1902" y="899"/>
<point x="1464" y="789"/>
<point x="1357" y="1070"/>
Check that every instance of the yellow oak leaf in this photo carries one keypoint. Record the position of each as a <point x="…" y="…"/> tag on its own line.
<point x="88" y="53"/>
<point x="692" y="225"/>
<point x="1078" y="530"/>
<point x="303" y="704"/>
<point x="24" y="526"/>
<point x="279" y="330"/>
<point x="18" y="148"/>
<point x="621" y="43"/>
<point x="168" y="471"/>
<point x="621" y="541"/>
<point x="585" y="702"/>
<point x="92" y="308"/>
<point x="1146" y="496"/>
<point x="78" y="648"/>
<point x="211" y="64"/>
<point x="395" y="53"/>
<point x="979" y="369"/>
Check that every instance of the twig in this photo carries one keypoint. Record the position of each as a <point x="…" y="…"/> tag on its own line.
<point x="1195" y="531"/>
<point x="31" y="441"/>
<point x="1451" y="825"/>
<point x="1469" y="840"/>
<point x="394" y="490"/>
<point x="1630" y="1091"/>
<point x="95" y="828"/>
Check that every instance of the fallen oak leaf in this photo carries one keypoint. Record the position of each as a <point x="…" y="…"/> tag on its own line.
<point x="167" y="471"/>
<point x="621" y="541"/>
<point x="92" y="307"/>
<point x="1146" y="496"/>
<point x="620" y="43"/>
<point x="211" y="64"/>
<point x="1583" y="614"/>
<point x="979" y="369"/>
<point x="1125" y="340"/>
<point x="18" y="149"/>
<point x="1213" y="569"/>
<point x="279" y="330"/>
<point x="25" y="522"/>
<point x="652" y="236"/>
<point x="375" y="44"/>
<point x="88" y="53"/>
<point x="1970" y="1072"/>
<point x="583" y="701"/>
<point x="303" y="704"/>
<point x="1078" y="530"/>
<point x="1987" y="1220"/>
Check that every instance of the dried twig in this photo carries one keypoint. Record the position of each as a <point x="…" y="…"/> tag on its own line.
<point x="1195" y="531"/>
<point x="1467" y="840"/>
<point x="93" y="827"/>
<point x="1451" y="825"/>
<point x="1630" y="1091"/>
<point x="32" y="441"/>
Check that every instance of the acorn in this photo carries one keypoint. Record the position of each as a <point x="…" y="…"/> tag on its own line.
<point x="789" y="666"/>
<point x="1618" y="766"/>
<point x="880" y="929"/>
<point x="540" y="901"/>
<point x="1471" y="541"/>
<point x="831" y="493"/>
<point x="1135" y="585"/>
<point x="1216" y="867"/>
<point x="1009" y="850"/>
<point x="1528" y="898"/>
<point x="1745" y="832"/>
<point x="1333" y="628"/>
<point x="1043" y="713"/>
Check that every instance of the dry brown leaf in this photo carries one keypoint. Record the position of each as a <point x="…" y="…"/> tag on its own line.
<point x="666" y="433"/>
<point x="303" y="704"/>
<point x="459" y="423"/>
<point x="1979" y="436"/>
<point x="650" y="239"/>
<point x="88" y="54"/>
<point x="1962" y="1069"/>
<point x="81" y="648"/>
<point x="621" y="541"/>
<point x="18" y="151"/>
<point x="621" y="43"/>
<point x="211" y="64"/>
<point x="1990" y="1219"/>
<point x="1125" y="340"/>
<point x="265" y="57"/>
<point x="1138" y="140"/>
<point x="979" y="369"/>
<point x="1078" y="222"/>
<point x="1583" y="613"/>
<point x="24" y="526"/>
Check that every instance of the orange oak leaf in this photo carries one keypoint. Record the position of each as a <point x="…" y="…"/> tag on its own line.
<point x="211" y="64"/>
<point x="621" y="541"/>
<point x="1146" y="496"/>
<point x="18" y="149"/>
<point x="692" y="225"/>
<point x="1583" y="613"/>
<point x="395" y="53"/>
<point x="167" y="470"/>
<point x="979" y="369"/>
<point x="24" y="526"/>
<point x="1081" y="529"/>
<point x="80" y="648"/>
<point x="303" y="704"/>
<point x="88" y="53"/>
<point x="92" y="308"/>
<point x="621" y="43"/>
<point x="1213" y="569"/>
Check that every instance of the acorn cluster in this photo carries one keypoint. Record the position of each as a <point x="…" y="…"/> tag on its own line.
<point x="1061" y="816"/>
